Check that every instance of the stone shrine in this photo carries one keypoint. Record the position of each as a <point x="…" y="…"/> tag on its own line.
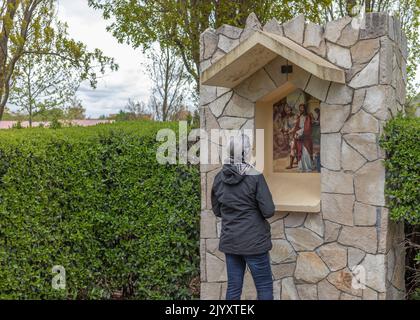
<point x="332" y="225"/>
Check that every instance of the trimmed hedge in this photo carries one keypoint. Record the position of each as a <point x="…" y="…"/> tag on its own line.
<point x="401" y="141"/>
<point x="96" y="201"/>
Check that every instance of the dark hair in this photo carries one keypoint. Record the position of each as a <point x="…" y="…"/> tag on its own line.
<point x="305" y="108"/>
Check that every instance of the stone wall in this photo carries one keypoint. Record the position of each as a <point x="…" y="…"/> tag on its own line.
<point x="313" y="252"/>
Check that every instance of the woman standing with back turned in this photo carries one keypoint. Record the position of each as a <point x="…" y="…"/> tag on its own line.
<point x="240" y="196"/>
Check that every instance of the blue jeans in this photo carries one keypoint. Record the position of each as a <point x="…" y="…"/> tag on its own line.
<point x="260" y="268"/>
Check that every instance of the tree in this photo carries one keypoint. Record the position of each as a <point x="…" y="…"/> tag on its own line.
<point x="170" y="81"/>
<point x="27" y="27"/>
<point x="9" y="115"/>
<point x="120" y="116"/>
<point x="48" y="114"/>
<point x="178" y="24"/>
<point x="133" y="110"/>
<point x="43" y="82"/>
<point x="75" y="110"/>
<point x="138" y="109"/>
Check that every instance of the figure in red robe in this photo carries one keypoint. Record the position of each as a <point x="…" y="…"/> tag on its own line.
<point x="303" y="139"/>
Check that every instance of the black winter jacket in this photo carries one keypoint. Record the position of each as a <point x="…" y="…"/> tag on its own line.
<point x="244" y="202"/>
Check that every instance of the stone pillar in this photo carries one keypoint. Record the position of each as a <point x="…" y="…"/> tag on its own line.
<point x="313" y="253"/>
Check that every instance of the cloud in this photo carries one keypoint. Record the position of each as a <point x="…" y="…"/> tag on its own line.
<point x="113" y="89"/>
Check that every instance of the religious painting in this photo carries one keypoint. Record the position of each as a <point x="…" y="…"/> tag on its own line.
<point x="296" y="133"/>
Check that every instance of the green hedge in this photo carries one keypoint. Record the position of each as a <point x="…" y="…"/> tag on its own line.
<point x="96" y="201"/>
<point x="401" y="141"/>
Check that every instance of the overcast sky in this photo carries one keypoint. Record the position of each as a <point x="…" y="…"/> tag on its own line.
<point x="113" y="90"/>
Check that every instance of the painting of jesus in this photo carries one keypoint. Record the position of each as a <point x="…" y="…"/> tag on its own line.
<point x="296" y="134"/>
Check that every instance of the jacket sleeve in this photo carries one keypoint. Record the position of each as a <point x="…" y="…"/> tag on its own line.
<point x="264" y="198"/>
<point x="214" y="201"/>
